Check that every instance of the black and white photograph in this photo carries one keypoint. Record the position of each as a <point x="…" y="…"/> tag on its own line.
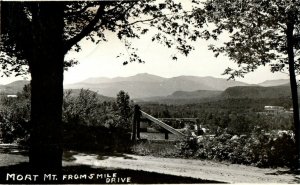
<point x="149" y="92"/>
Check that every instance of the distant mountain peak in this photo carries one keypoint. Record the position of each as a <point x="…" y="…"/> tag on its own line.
<point x="145" y="75"/>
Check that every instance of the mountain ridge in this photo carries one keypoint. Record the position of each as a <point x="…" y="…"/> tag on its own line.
<point x="148" y="85"/>
<point x="137" y="77"/>
<point x="237" y="92"/>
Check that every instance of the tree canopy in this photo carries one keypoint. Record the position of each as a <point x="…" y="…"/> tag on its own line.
<point x="35" y="37"/>
<point x="261" y="32"/>
<point x="257" y="32"/>
<point x="90" y="20"/>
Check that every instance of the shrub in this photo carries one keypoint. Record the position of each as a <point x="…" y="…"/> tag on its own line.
<point x="87" y="109"/>
<point x="259" y="149"/>
<point x="14" y="117"/>
<point x="188" y="148"/>
<point x="83" y="108"/>
<point x="87" y="121"/>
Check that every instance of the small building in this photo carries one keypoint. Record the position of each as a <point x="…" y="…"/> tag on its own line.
<point x="274" y="108"/>
<point x="11" y="96"/>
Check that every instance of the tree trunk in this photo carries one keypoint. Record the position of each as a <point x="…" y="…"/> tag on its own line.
<point x="46" y="69"/>
<point x="293" y="83"/>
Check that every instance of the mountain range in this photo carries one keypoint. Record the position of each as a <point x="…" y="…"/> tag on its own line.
<point x="148" y="87"/>
<point x="237" y="92"/>
<point x="143" y="86"/>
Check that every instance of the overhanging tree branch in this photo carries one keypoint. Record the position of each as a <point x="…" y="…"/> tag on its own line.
<point x="79" y="11"/>
<point x="140" y="21"/>
<point x="85" y="31"/>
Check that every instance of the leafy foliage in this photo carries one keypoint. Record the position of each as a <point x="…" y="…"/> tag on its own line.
<point x="14" y="117"/>
<point x="88" y="109"/>
<point x="47" y="36"/>
<point x="239" y="116"/>
<point x="90" y="124"/>
<point x="260" y="149"/>
<point x="83" y="108"/>
<point x="91" y="20"/>
<point x="260" y="33"/>
<point x="124" y="109"/>
<point x="257" y="32"/>
<point x="81" y="112"/>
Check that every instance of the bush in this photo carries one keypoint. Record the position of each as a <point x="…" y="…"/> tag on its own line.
<point x="14" y="117"/>
<point x="88" y="122"/>
<point x="259" y="149"/>
<point x="188" y="148"/>
<point x="84" y="108"/>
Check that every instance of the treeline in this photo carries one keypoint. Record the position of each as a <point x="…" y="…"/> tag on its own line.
<point x="239" y="116"/>
<point x="241" y="105"/>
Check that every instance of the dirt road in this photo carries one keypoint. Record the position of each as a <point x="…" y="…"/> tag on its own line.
<point x="207" y="170"/>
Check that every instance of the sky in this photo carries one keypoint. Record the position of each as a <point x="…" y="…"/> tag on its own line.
<point x="100" y="60"/>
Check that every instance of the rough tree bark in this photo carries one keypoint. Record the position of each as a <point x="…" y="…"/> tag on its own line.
<point x="293" y="83"/>
<point x="46" y="67"/>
